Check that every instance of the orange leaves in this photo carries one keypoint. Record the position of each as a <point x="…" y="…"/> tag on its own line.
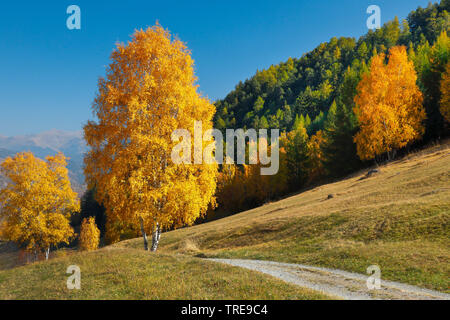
<point x="148" y="92"/>
<point x="388" y="105"/>
<point x="37" y="202"/>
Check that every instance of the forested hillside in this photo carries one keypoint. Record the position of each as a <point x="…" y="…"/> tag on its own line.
<point x="278" y="96"/>
<point x="343" y="104"/>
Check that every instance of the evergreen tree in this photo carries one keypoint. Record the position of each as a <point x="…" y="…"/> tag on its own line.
<point x="430" y="64"/>
<point x="263" y="123"/>
<point x="307" y="121"/>
<point x="91" y="208"/>
<point x="339" y="149"/>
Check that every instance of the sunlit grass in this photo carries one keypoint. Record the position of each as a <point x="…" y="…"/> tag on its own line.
<point x="398" y="219"/>
<point x="135" y="274"/>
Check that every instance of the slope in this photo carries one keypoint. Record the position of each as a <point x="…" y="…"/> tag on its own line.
<point x="397" y="218"/>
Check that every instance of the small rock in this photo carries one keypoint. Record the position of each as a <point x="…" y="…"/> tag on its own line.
<point x="371" y="172"/>
<point x="330" y="196"/>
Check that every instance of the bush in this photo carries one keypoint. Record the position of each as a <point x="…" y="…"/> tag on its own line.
<point x="89" y="235"/>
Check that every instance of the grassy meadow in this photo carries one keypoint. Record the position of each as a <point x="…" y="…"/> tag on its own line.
<point x="398" y="219"/>
<point x="115" y="273"/>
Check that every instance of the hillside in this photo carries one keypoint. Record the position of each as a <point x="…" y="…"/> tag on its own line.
<point x="134" y="274"/>
<point x="398" y="219"/>
<point x="276" y="96"/>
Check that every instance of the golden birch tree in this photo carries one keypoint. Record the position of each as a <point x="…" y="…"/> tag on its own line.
<point x="388" y="106"/>
<point x="149" y="92"/>
<point x="36" y="204"/>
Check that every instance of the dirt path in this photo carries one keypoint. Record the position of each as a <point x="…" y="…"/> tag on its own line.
<point x="341" y="284"/>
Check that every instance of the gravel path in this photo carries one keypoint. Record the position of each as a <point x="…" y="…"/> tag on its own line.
<point x="341" y="284"/>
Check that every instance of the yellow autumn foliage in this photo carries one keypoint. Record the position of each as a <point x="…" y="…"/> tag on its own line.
<point x="37" y="202"/>
<point x="445" y="94"/>
<point x="388" y="105"/>
<point x="148" y="92"/>
<point x="316" y="156"/>
<point x="89" y="235"/>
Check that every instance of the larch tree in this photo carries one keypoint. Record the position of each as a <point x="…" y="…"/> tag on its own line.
<point x="149" y="92"/>
<point x="315" y="144"/>
<point x="445" y="94"/>
<point x="297" y="157"/>
<point x="36" y="204"/>
<point x="388" y="106"/>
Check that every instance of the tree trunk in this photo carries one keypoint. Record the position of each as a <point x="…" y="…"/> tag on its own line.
<point x="156" y="236"/>
<point x="47" y="253"/>
<point x="144" y="235"/>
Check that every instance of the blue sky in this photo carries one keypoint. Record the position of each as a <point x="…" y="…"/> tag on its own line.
<point x="49" y="74"/>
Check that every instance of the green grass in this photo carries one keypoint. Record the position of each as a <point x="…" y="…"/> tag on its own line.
<point x="114" y="273"/>
<point x="398" y="219"/>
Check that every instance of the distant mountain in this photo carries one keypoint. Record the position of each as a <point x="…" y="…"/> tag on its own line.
<point x="71" y="144"/>
<point x="4" y="154"/>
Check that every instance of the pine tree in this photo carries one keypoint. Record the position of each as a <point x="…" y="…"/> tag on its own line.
<point x="430" y="64"/>
<point x="339" y="149"/>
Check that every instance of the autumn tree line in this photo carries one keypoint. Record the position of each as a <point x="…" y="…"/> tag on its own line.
<point x="386" y="115"/>
<point x="344" y="104"/>
<point x="148" y="92"/>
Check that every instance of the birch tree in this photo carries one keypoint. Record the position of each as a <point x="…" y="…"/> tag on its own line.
<point x="149" y="91"/>
<point x="36" y="204"/>
<point x="388" y="106"/>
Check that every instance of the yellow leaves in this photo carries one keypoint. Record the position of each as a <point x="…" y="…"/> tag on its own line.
<point x="37" y="201"/>
<point x="89" y="235"/>
<point x="149" y="91"/>
<point x="388" y="105"/>
<point x="445" y="94"/>
<point x="316" y="155"/>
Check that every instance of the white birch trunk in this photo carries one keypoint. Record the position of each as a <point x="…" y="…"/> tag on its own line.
<point x="156" y="236"/>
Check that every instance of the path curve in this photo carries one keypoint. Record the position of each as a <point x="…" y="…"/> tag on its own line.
<point x="338" y="283"/>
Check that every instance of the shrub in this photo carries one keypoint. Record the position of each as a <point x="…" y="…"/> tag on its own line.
<point x="89" y="235"/>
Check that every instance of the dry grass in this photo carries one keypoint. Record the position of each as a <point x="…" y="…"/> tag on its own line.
<point x="9" y="255"/>
<point x="398" y="219"/>
<point x="114" y="273"/>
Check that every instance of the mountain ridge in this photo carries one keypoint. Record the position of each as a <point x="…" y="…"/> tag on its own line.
<point x="51" y="142"/>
